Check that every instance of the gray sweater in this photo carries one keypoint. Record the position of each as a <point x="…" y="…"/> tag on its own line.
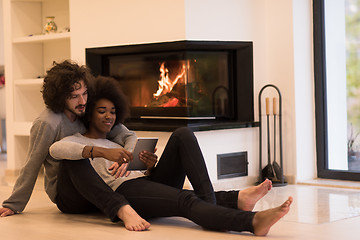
<point x="48" y="128"/>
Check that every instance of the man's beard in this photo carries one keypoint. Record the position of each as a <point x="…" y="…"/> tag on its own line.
<point x="79" y="114"/>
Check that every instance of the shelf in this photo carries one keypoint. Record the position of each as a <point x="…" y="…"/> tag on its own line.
<point x="27" y="1"/>
<point x="29" y="56"/>
<point x="32" y="1"/>
<point x="42" y="38"/>
<point x="29" y="82"/>
<point x="171" y="125"/>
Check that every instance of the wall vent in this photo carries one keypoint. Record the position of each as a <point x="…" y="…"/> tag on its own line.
<point x="230" y="165"/>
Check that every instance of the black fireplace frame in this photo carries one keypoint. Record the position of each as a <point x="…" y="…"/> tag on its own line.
<point x="240" y="57"/>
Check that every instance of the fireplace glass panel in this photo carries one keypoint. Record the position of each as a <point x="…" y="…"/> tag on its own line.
<point x="191" y="84"/>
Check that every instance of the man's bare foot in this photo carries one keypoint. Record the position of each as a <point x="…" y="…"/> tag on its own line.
<point x="263" y="220"/>
<point x="248" y="197"/>
<point x="132" y="220"/>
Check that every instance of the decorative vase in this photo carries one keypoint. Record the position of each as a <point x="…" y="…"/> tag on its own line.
<point x="50" y="25"/>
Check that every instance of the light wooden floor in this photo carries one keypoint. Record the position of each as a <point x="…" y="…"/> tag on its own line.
<point x="317" y="213"/>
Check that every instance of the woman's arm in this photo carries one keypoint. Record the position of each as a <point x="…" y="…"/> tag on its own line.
<point x="118" y="155"/>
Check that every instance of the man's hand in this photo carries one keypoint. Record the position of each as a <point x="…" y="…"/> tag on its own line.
<point x="119" y="170"/>
<point x="6" y="212"/>
<point x="148" y="158"/>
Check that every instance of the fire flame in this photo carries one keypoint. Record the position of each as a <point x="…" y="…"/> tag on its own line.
<point x="165" y="83"/>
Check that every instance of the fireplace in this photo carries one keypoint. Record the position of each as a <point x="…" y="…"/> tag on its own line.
<point x="200" y="84"/>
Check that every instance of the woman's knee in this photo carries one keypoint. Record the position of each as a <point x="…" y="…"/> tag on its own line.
<point x="184" y="133"/>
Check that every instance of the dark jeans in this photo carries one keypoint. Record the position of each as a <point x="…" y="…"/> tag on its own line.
<point x="151" y="199"/>
<point x="182" y="157"/>
<point x="81" y="190"/>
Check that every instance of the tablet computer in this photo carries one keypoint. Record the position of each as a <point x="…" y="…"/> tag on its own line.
<point x="142" y="143"/>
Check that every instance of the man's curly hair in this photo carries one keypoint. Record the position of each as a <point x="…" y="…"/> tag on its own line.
<point x="107" y="88"/>
<point x="60" y="81"/>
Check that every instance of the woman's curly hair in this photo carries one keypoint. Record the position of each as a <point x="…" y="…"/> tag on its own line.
<point x="107" y="88"/>
<point x="60" y="81"/>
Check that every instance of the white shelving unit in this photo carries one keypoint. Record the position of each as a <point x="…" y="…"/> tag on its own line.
<point x="42" y="38"/>
<point x="28" y="55"/>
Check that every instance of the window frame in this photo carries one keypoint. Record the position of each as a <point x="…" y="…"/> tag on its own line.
<point x="320" y="98"/>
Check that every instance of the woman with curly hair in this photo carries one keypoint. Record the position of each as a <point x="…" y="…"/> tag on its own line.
<point x="148" y="196"/>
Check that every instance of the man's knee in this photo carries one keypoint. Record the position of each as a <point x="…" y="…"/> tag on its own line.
<point x="187" y="198"/>
<point x="84" y="161"/>
<point x="75" y="168"/>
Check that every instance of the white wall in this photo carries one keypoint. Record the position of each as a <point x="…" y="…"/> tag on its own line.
<point x="282" y="56"/>
<point x="304" y="91"/>
<point x="114" y="22"/>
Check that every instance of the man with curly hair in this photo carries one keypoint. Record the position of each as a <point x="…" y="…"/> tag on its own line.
<point x="65" y="93"/>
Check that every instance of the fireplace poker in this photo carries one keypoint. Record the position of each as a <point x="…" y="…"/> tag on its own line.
<point x="275" y="165"/>
<point x="268" y="172"/>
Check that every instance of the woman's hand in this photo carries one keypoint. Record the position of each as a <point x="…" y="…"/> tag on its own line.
<point x="119" y="170"/>
<point x="118" y="155"/>
<point x="148" y="158"/>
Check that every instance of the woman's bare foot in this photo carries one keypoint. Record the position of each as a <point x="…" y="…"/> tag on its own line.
<point x="132" y="220"/>
<point x="263" y="220"/>
<point x="247" y="198"/>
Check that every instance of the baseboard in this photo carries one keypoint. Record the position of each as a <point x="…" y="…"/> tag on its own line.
<point x="322" y="182"/>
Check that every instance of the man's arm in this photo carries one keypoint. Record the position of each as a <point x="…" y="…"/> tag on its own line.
<point x="41" y="137"/>
<point x="71" y="148"/>
<point x="123" y="136"/>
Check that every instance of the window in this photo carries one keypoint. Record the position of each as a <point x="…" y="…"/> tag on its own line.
<point x="337" y="87"/>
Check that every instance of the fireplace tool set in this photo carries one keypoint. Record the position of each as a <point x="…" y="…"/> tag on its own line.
<point x="273" y="170"/>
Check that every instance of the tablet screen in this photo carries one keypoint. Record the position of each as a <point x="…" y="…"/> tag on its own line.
<point x="142" y="143"/>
